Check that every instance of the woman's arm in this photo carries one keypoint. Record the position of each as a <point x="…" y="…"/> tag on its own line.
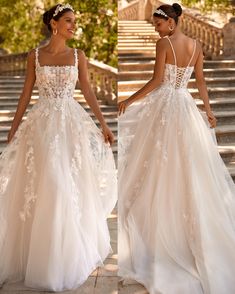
<point x="155" y="81"/>
<point x="25" y="95"/>
<point x="201" y="85"/>
<point x="90" y="96"/>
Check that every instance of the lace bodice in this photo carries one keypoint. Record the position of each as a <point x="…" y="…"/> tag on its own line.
<point x="54" y="81"/>
<point x="176" y="76"/>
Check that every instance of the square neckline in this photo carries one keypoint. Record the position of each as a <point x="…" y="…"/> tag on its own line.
<point x="38" y="65"/>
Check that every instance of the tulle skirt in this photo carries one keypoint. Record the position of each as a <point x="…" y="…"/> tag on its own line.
<point x="176" y="199"/>
<point x="57" y="187"/>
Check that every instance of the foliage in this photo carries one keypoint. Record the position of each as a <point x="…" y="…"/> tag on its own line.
<point x="222" y="6"/>
<point x="21" y="26"/>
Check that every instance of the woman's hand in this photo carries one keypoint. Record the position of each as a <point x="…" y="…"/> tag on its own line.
<point x="108" y="135"/>
<point x="123" y="105"/>
<point x="211" y="118"/>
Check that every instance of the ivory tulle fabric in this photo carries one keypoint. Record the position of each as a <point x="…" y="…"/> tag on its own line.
<point x="176" y="197"/>
<point x="57" y="187"/>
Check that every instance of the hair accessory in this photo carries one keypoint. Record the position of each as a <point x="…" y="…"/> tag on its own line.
<point x="61" y="7"/>
<point x="161" y="12"/>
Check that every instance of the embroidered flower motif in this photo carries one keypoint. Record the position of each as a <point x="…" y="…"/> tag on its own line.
<point x="76" y="160"/>
<point x="29" y="193"/>
<point x="3" y="184"/>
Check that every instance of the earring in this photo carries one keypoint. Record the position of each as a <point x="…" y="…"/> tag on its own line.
<point x="171" y="28"/>
<point x="54" y="31"/>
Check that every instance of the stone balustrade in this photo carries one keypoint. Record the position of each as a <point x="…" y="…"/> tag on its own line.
<point x="129" y="12"/>
<point x="13" y="64"/>
<point x="104" y="81"/>
<point x="103" y="78"/>
<point x="217" y="42"/>
<point x="209" y="36"/>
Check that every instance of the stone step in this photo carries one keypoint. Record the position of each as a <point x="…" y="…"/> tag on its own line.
<point x="135" y="49"/>
<point x="136" y="45"/>
<point x="215" y="82"/>
<point x="125" y="21"/>
<point x="218" y="72"/>
<point x="134" y="23"/>
<point x="227" y="152"/>
<point x="12" y="82"/>
<point x="134" y="39"/>
<point x="225" y="117"/>
<point x="142" y="51"/>
<point x="218" y="103"/>
<point x="138" y="29"/>
<point x="215" y="92"/>
<point x="13" y="78"/>
<point x="138" y="35"/>
<point x="225" y="134"/>
<point x="231" y="169"/>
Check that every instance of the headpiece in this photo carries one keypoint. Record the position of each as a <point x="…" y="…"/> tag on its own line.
<point x="61" y="7"/>
<point x="161" y="12"/>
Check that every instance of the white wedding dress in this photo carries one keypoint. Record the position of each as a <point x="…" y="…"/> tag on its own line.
<point x="176" y="198"/>
<point x="57" y="187"/>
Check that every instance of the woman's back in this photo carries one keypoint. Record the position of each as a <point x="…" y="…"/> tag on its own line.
<point x="182" y="51"/>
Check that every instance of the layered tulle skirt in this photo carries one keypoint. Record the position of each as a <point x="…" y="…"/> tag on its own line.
<point x="176" y="199"/>
<point x="57" y="187"/>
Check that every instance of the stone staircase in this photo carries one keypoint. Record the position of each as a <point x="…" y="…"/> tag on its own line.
<point x="10" y="90"/>
<point x="136" y="51"/>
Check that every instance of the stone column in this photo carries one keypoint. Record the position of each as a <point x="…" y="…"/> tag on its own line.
<point x="228" y="39"/>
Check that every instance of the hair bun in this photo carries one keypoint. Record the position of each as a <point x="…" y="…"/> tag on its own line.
<point x="46" y="17"/>
<point x="177" y="8"/>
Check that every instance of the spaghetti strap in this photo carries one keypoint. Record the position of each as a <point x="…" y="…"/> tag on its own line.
<point x="76" y="57"/>
<point x="194" y="49"/>
<point x="36" y="58"/>
<point x="172" y="49"/>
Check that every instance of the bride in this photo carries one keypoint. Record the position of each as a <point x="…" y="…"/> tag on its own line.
<point x="176" y="197"/>
<point x="57" y="174"/>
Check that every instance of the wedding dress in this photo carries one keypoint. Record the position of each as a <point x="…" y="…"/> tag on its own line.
<point x="176" y="197"/>
<point x="57" y="187"/>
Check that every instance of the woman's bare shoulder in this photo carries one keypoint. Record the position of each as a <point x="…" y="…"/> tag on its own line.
<point x="81" y="53"/>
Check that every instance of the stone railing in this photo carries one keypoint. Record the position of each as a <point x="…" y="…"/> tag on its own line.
<point x="129" y="12"/>
<point x="103" y="77"/>
<point x="13" y="64"/>
<point x="209" y="36"/>
<point x="216" y="42"/>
